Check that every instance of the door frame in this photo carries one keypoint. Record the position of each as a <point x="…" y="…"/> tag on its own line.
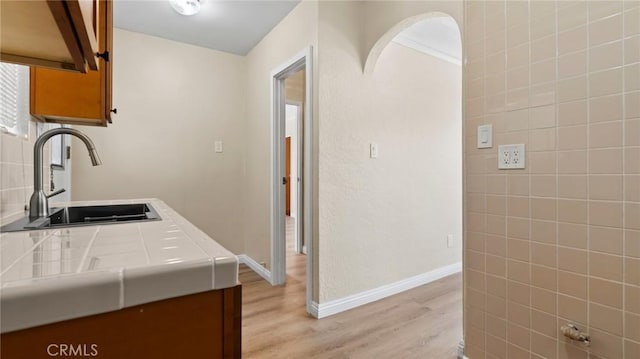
<point x="299" y="248"/>
<point x="303" y="60"/>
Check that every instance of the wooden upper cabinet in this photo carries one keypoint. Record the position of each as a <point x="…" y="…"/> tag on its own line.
<point x="79" y="98"/>
<point x="50" y="33"/>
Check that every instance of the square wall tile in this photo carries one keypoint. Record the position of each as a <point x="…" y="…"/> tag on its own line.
<point x="606" y="240"/>
<point x="572" y="260"/>
<point x="572" y="138"/>
<point x="544" y="254"/>
<point x="605" y="318"/>
<point x="605" y="292"/>
<point x="543" y="186"/>
<point x="605" y="161"/>
<point x="572" y="235"/>
<point x="605" y="344"/>
<point x="571" y="308"/>
<point x="605" y="30"/>
<point x="606" y="187"/>
<point x="606" y="108"/>
<point x="607" y="134"/>
<point x="573" y="113"/>
<point x="571" y="14"/>
<point x="572" y="187"/>
<point x="572" y="284"/>
<point x="605" y="56"/>
<point x="572" y="40"/>
<point x="608" y="214"/>
<point x="605" y="266"/>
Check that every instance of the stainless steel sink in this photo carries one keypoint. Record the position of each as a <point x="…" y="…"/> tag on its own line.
<point x="86" y="216"/>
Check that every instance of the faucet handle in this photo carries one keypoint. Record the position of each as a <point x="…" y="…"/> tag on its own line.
<point x="52" y="194"/>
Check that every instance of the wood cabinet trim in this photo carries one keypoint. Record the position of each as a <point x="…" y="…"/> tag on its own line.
<point x="59" y="12"/>
<point x="83" y="21"/>
<point x="106" y="35"/>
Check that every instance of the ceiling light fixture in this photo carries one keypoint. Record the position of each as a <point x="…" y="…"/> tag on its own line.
<point x="185" y="7"/>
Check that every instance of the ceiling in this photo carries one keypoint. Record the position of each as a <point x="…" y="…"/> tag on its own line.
<point x="436" y="36"/>
<point x="230" y="26"/>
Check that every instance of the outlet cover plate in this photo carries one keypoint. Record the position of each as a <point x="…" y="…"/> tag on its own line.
<point x="511" y="156"/>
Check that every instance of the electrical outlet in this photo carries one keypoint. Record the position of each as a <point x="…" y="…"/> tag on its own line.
<point x="511" y="156"/>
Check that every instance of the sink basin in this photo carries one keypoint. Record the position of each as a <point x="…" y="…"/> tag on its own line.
<point x="102" y="214"/>
<point x="87" y="216"/>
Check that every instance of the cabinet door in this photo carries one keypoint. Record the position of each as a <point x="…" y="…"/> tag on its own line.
<point x="74" y="98"/>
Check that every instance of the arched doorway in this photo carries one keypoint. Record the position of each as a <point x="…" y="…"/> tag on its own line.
<point x="417" y="69"/>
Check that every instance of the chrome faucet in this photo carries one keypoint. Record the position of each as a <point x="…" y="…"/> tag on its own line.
<point x="39" y="204"/>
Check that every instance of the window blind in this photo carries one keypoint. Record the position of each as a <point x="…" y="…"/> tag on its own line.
<point x="14" y="99"/>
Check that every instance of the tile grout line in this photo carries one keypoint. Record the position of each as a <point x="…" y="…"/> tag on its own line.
<point x="588" y="172"/>
<point x="556" y="113"/>
<point x="624" y="203"/>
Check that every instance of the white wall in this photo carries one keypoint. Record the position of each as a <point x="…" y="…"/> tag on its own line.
<point x="174" y="100"/>
<point x="383" y="220"/>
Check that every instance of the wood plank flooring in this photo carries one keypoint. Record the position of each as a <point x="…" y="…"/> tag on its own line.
<point x="425" y="322"/>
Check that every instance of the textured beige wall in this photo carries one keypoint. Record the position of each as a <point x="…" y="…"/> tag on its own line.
<point x="174" y="100"/>
<point x="559" y="241"/>
<point x="296" y="32"/>
<point x="386" y="219"/>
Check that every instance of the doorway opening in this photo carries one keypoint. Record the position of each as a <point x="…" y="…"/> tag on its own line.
<point x="291" y="192"/>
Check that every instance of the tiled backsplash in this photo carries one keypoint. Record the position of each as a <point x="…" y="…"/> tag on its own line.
<point x="557" y="242"/>
<point x="16" y="172"/>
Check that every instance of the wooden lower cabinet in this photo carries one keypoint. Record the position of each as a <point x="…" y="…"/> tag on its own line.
<point x="202" y="325"/>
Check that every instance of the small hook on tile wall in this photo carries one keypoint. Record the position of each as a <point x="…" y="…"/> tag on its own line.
<point x="572" y="332"/>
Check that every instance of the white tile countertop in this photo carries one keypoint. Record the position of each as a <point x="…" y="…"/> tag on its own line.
<point x="51" y="275"/>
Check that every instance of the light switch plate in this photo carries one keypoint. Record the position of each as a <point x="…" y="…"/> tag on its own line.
<point x="373" y="150"/>
<point x="485" y="136"/>
<point x="218" y="146"/>
<point x="511" y="156"/>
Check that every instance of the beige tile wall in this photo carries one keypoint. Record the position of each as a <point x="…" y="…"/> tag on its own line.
<point x="16" y="172"/>
<point x="559" y="241"/>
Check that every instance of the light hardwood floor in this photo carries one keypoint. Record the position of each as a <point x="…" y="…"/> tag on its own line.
<point x="425" y="322"/>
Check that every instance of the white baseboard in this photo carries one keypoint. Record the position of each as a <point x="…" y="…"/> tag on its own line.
<point x="255" y="266"/>
<point x="460" y="350"/>
<point x="313" y="310"/>
<point x="322" y="310"/>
